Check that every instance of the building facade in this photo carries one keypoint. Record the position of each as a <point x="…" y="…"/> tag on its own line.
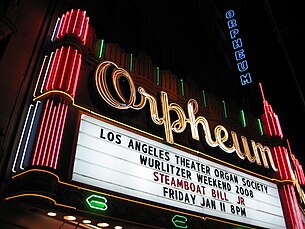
<point x="99" y="132"/>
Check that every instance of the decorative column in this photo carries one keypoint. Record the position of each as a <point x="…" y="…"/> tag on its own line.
<point x="291" y="210"/>
<point x="59" y="85"/>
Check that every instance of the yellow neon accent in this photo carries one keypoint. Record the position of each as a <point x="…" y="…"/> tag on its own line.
<point x="154" y="136"/>
<point x="287" y="181"/>
<point x="40" y="196"/>
<point x="35" y="170"/>
<point x="56" y="92"/>
<point x="29" y="194"/>
<point x="110" y="195"/>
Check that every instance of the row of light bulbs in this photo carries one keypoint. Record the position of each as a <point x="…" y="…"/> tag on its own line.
<point x="85" y="221"/>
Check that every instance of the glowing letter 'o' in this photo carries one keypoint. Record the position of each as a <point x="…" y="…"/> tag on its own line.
<point x="116" y="74"/>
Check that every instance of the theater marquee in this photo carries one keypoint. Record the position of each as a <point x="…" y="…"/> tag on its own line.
<point x="116" y="159"/>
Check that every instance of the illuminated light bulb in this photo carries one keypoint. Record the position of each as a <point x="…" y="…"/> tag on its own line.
<point x="52" y="214"/>
<point x="86" y="221"/>
<point x="69" y="217"/>
<point x="103" y="224"/>
<point x="118" y="227"/>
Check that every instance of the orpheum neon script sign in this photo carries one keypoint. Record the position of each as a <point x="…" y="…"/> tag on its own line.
<point x="221" y="134"/>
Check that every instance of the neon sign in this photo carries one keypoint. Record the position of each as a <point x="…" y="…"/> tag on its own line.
<point x="97" y="202"/>
<point x="239" y="52"/>
<point x="226" y="140"/>
<point x="179" y="221"/>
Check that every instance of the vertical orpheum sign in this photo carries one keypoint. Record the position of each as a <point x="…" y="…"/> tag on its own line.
<point x="239" y="52"/>
<point x="56" y="85"/>
<point x="287" y="192"/>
